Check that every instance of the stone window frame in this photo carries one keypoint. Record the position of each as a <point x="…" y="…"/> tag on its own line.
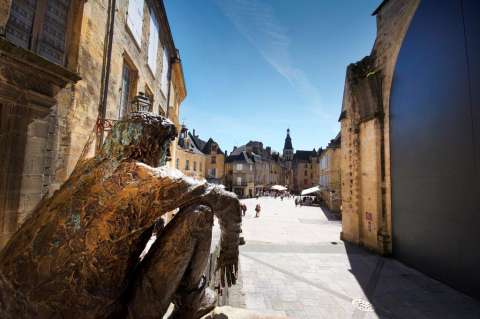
<point x="133" y="82"/>
<point x="152" y="53"/>
<point x="130" y="24"/>
<point x="150" y="95"/>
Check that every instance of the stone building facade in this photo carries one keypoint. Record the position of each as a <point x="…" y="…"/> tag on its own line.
<point x="365" y="162"/>
<point x="330" y="174"/>
<point x="189" y="158"/>
<point x="200" y="159"/>
<point x="240" y="174"/>
<point x="305" y="170"/>
<point x="68" y="69"/>
<point x="214" y="162"/>
<point x="301" y="167"/>
<point x="252" y="169"/>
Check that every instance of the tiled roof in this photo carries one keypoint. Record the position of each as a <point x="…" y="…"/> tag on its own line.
<point x="206" y="148"/>
<point x="238" y="150"/>
<point x="197" y="140"/>
<point x="240" y="156"/>
<point x="303" y="155"/>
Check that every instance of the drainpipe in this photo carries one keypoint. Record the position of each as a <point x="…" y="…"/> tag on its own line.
<point x="107" y="58"/>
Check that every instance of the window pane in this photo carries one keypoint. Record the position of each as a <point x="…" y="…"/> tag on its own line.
<point x="20" y="23"/>
<point x="135" y="19"/>
<point x="51" y="42"/>
<point x="153" y="44"/>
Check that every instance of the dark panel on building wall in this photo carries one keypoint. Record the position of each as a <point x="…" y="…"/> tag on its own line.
<point x="434" y="141"/>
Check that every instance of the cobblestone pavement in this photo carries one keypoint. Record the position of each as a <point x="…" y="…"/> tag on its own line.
<point x="294" y="264"/>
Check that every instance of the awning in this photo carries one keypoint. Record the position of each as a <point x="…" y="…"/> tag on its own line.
<point x="311" y="190"/>
<point x="278" y="188"/>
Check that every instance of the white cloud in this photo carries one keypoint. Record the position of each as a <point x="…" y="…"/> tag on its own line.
<point x="257" y="22"/>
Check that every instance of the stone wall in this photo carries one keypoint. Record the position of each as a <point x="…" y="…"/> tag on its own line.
<point x="49" y="112"/>
<point x="366" y="185"/>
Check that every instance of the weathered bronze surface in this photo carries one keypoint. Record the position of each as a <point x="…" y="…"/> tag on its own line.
<point x="78" y="255"/>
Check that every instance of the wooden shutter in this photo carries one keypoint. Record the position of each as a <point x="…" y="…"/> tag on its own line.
<point x="20" y="23"/>
<point x="51" y="43"/>
<point x="165" y="66"/>
<point x="153" y="44"/>
<point x="135" y="19"/>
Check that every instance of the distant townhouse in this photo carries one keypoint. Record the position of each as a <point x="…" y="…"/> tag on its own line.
<point x="305" y="170"/>
<point x="214" y="159"/>
<point x="189" y="159"/>
<point x="199" y="159"/>
<point x="268" y="168"/>
<point x="240" y="176"/>
<point x="330" y="174"/>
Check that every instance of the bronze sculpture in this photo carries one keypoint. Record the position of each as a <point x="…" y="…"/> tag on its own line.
<point x="78" y="255"/>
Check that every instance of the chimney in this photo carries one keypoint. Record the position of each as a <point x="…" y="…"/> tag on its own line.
<point x="194" y="133"/>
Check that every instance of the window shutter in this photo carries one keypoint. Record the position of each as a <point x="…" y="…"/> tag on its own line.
<point x="165" y="66"/>
<point x="135" y="19"/>
<point x="20" y="23"/>
<point x="51" y="44"/>
<point x="153" y="44"/>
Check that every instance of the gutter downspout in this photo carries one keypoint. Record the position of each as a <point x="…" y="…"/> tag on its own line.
<point x="107" y="58"/>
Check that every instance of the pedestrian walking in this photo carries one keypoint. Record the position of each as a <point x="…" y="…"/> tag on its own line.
<point x="243" y="208"/>
<point x="257" y="210"/>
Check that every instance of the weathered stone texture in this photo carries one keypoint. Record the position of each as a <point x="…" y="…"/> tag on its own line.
<point x="365" y="132"/>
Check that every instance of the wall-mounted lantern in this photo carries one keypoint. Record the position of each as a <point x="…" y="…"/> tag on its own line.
<point x="141" y="103"/>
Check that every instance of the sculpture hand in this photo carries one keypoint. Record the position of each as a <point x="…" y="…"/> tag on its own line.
<point x="227" y="264"/>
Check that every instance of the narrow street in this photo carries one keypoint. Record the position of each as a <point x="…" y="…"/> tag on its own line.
<point x="294" y="264"/>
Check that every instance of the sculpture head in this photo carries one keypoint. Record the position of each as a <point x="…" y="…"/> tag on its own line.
<point x="143" y="136"/>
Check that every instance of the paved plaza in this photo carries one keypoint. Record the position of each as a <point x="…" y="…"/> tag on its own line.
<point x="294" y="264"/>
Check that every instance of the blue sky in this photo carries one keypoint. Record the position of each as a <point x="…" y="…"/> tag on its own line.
<point x="254" y="68"/>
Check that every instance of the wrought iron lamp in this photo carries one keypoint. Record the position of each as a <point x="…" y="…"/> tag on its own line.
<point x="141" y="103"/>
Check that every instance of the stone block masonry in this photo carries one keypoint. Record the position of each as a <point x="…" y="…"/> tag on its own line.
<point x="365" y="127"/>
